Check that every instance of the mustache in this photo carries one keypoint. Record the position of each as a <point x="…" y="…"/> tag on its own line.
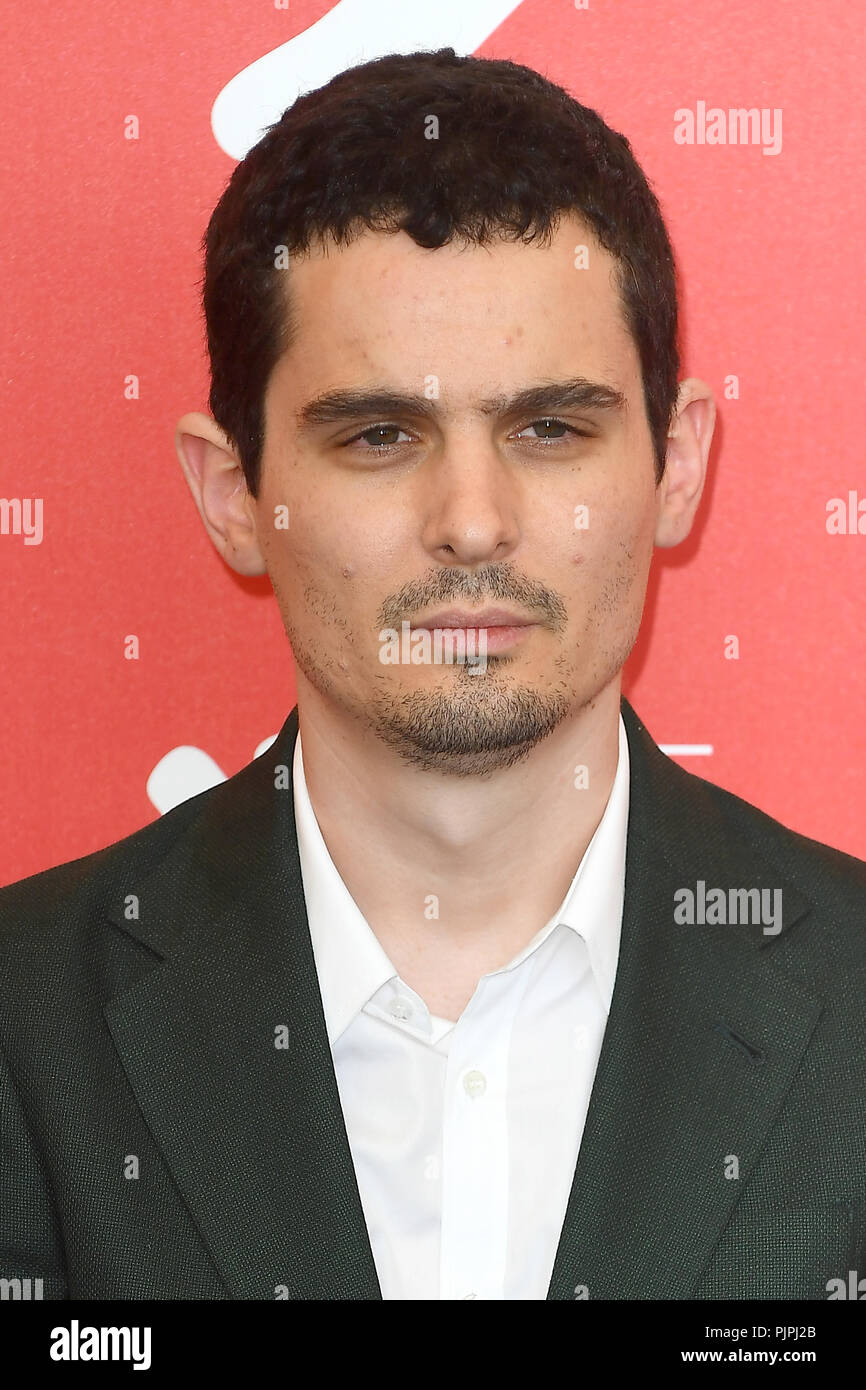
<point x="500" y="583"/>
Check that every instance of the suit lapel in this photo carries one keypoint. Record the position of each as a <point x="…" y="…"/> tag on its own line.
<point x="704" y="1037"/>
<point x="252" y="1131"/>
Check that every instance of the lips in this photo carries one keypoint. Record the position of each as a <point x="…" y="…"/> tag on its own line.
<point x="462" y="618"/>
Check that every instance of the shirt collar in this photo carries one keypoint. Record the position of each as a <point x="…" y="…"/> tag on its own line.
<point x="593" y="904"/>
<point x="350" y="962"/>
<point x="352" y="965"/>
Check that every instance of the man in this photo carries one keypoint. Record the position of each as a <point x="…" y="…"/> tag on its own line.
<point x="461" y="989"/>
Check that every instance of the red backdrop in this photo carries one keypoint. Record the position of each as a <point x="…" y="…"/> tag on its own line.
<point x="101" y="262"/>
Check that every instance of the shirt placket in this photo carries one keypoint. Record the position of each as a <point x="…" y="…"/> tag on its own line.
<point x="475" y="1189"/>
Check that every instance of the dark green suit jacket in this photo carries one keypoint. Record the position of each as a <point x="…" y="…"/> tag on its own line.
<point x="156" y="1143"/>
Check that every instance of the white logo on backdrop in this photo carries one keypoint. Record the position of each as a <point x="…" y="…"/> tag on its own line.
<point x="184" y="772"/>
<point x="354" y="31"/>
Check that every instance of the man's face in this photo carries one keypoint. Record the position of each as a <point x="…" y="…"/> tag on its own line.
<point x="462" y="500"/>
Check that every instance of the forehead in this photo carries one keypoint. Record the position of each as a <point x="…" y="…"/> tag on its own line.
<point x="476" y="317"/>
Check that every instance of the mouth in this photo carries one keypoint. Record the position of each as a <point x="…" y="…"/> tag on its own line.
<point x="483" y="618"/>
<point x="493" y="629"/>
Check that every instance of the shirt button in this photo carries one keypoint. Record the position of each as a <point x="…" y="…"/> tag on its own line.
<point x="400" y="1008"/>
<point x="474" y="1084"/>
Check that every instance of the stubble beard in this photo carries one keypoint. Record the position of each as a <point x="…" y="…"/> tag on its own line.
<point x="474" y="724"/>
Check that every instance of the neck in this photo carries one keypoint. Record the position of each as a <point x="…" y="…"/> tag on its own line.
<point x="455" y="875"/>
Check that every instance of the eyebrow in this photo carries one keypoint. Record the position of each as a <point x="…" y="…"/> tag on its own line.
<point x="577" y="393"/>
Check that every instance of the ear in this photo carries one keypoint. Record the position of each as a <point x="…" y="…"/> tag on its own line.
<point x="216" y="480"/>
<point x="688" y="449"/>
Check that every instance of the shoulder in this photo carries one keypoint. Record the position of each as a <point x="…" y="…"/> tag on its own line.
<point x="51" y="906"/>
<point x="813" y="866"/>
<point x="695" y="822"/>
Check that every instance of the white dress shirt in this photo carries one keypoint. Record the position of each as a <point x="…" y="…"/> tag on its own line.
<point x="464" y="1136"/>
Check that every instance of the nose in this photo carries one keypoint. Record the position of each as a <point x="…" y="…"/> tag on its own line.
<point x="471" y="505"/>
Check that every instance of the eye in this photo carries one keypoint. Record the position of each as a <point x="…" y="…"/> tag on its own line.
<point x="548" y="423"/>
<point x="380" y="436"/>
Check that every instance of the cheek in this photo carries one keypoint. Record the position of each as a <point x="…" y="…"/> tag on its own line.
<point x="341" y="528"/>
<point x="329" y="572"/>
<point x="611" y="559"/>
<point x="624" y="521"/>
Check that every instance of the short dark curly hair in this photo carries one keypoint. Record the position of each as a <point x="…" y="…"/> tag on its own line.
<point x="514" y="153"/>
